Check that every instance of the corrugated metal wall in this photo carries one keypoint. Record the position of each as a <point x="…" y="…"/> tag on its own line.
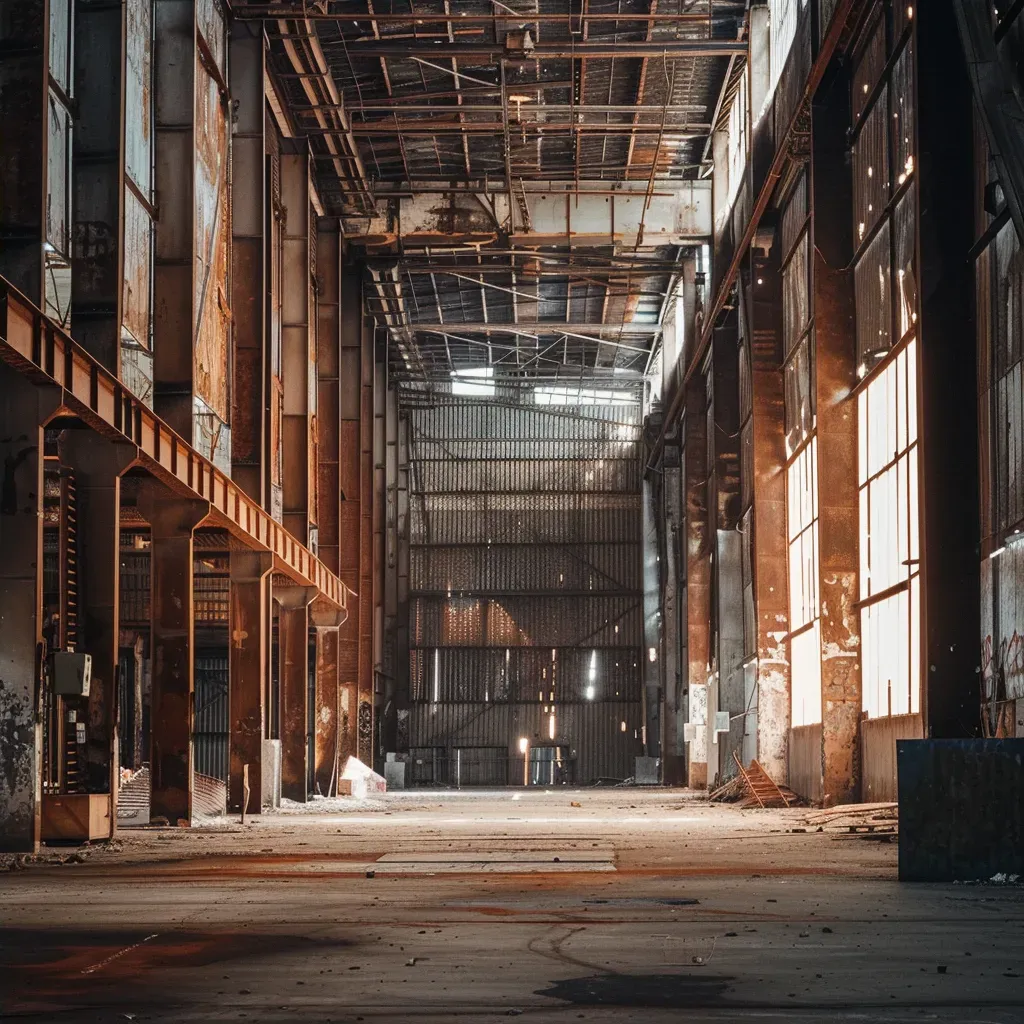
<point x="525" y="587"/>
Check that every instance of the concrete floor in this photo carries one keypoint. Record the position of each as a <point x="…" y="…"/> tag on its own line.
<point x="658" y="908"/>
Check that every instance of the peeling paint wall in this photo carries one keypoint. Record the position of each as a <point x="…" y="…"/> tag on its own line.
<point x="212" y="213"/>
<point x="20" y="596"/>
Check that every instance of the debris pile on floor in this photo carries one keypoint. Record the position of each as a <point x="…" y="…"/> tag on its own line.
<point x="752" y="786"/>
<point x="879" y="822"/>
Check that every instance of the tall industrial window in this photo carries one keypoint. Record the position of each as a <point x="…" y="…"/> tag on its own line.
<point x="784" y="16"/>
<point x="60" y="98"/>
<point x="137" y="279"/>
<point x="738" y="143"/>
<point x="886" y="305"/>
<point x="802" y="464"/>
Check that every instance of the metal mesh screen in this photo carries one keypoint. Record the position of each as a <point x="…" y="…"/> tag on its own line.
<point x="525" y="578"/>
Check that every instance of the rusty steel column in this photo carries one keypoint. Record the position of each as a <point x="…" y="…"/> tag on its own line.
<point x="246" y="68"/>
<point x="98" y="148"/>
<point x="950" y="466"/>
<point x="23" y="169"/>
<point x="349" y="530"/>
<point x="328" y="352"/>
<point x="326" y="727"/>
<point x="698" y="581"/>
<point x="770" y="554"/>
<point x="382" y="689"/>
<point x="191" y="289"/>
<point x="98" y="466"/>
<point x="367" y="590"/>
<point x="293" y="632"/>
<point x="248" y="668"/>
<point x="172" y="524"/>
<point x="175" y="145"/>
<point x="297" y="347"/>
<point x="21" y="562"/>
<point x="838" y="504"/>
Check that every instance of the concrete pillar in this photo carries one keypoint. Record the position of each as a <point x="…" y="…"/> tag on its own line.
<point x="293" y="633"/>
<point x="771" y="553"/>
<point x="21" y="559"/>
<point x="172" y="524"/>
<point x="98" y="465"/>
<point x="248" y="668"/>
<point x="298" y="349"/>
<point x="249" y="454"/>
<point x="698" y="581"/>
<point x="838" y="502"/>
<point x="728" y="690"/>
<point x="947" y="374"/>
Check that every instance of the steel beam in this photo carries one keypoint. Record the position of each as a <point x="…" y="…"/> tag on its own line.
<point x="23" y="170"/>
<point x="97" y="174"/>
<point x="249" y="668"/>
<point x="350" y="517"/>
<point x="585" y="215"/>
<point x="329" y="384"/>
<point x="367" y="591"/>
<point x="298" y="348"/>
<point x="293" y="631"/>
<point x="172" y="524"/>
<point x="951" y="462"/>
<point x="250" y="340"/>
<point x="382" y="691"/>
<point x="31" y="344"/>
<point x="541" y="50"/>
<point x="175" y="146"/>
<point x="192" y="384"/>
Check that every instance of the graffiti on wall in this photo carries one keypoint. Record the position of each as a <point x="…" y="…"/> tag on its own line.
<point x="1002" y="682"/>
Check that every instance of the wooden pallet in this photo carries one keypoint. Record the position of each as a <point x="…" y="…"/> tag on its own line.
<point x="760" y="785"/>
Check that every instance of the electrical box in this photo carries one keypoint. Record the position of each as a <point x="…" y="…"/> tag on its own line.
<point x="72" y="674"/>
<point x="721" y="721"/>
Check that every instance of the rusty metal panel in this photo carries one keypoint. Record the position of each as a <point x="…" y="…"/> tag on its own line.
<point x="211" y="24"/>
<point x="873" y="285"/>
<point x="871" y="169"/>
<point x="878" y="738"/>
<point x="805" y="762"/>
<point x="138" y="107"/>
<point x="212" y="243"/>
<point x="137" y="288"/>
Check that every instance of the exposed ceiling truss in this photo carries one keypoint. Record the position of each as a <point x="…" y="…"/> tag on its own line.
<point x="522" y="178"/>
